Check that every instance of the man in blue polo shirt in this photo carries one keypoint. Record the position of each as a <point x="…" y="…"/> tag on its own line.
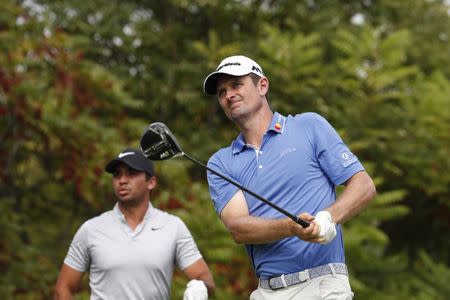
<point x="296" y="162"/>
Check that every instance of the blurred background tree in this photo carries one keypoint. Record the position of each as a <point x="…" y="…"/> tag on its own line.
<point x="79" y="81"/>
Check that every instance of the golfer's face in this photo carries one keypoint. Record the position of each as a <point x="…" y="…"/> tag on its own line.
<point x="130" y="184"/>
<point x="238" y="96"/>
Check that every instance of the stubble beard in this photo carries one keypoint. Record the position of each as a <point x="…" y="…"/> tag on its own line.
<point x="244" y="113"/>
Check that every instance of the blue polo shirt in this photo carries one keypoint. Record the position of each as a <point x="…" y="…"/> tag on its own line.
<point x="301" y="161"/>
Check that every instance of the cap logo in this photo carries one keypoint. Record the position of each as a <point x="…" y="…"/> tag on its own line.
<point x="125" y="154"/>
<point x="256" y="69"/>
<point x="228" y="64"/>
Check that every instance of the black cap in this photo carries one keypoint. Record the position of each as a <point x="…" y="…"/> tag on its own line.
<point x="133" y="158"/>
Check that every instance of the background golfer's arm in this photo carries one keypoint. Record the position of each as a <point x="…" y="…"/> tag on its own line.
<point x="199" y="270"/>
<point x="68" y="283"/>
<point x="359" y="191"/>
<point x="247" y="229"/>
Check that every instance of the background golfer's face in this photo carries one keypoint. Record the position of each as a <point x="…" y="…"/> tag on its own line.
<point x="130" y="184"/>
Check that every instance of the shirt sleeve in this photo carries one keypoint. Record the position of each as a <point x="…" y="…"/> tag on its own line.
<point x="186" y="250"/>
<point x="78" y="256"/>
<point x="221" y="191"/>
<point x="334" y="156"/>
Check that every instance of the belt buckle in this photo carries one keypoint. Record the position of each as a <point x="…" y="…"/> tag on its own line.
<point x="270" y="286"/>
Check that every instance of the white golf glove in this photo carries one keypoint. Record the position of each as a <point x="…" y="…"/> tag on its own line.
<point x="327" y="226"/>
<point x="195" y="290"/>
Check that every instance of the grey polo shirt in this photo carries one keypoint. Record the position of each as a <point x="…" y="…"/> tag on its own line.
<point x="127" y="264"/>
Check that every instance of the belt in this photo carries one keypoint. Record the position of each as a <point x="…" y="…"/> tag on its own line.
<point x="285" y="280"/>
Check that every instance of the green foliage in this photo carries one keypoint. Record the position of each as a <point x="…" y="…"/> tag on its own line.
<point x="57" y="124"/>
<point x="80" y="80"/>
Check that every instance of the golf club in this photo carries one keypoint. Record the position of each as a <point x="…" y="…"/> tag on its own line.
<point x="158" y="143"/>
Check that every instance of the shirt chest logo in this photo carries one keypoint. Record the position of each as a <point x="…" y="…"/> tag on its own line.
<point x="288" y="150"/>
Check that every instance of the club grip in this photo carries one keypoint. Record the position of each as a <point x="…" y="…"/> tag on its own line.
<point x="301" y="222"/>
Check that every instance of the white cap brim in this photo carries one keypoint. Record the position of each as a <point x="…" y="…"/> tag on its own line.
<point x="210" y="84"/>
<point x="237" y="65"/>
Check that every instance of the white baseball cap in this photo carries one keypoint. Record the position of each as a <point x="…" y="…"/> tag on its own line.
<point x="237" y="65"/>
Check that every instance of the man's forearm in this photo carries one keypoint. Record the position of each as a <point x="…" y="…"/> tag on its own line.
<point x="256" y="230"/>
<point x="62" y="294"/>
<point x="209" y="282"/>
<point x="357" y="194"/>
<point x="206" y="276"/>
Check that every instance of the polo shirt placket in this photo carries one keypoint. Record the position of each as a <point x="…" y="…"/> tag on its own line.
<point x="125" y="227"/>
<point x="276" y="127"/>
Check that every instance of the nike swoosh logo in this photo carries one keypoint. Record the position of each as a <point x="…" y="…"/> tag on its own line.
<point x="125" y="154"/>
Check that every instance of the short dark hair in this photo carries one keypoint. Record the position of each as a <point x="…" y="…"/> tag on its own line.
<point x="255" y="79"/>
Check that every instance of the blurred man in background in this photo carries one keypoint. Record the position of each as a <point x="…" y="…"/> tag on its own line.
<point x="130" y="251"/>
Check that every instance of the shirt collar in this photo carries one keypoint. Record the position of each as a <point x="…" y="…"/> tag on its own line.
<point x="238" y="144"/>
<point x="150" y="212"/>
<point x="276" y="125"/>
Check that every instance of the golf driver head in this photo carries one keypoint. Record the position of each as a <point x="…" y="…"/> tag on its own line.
<point x="158" y="143"/>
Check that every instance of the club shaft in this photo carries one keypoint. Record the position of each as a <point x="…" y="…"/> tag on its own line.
<point x="296" y="219"/>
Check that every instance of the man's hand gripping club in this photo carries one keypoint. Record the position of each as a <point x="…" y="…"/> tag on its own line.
<point x="322" y="229"/>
